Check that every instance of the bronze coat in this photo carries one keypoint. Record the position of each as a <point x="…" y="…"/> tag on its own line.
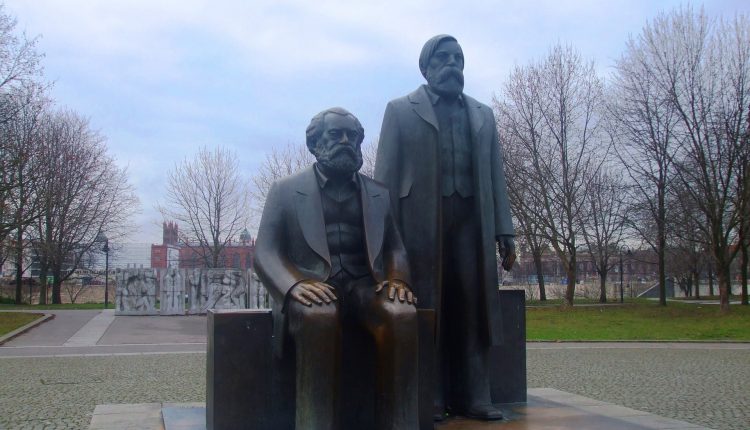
<point x="408" y="162"/>
<point x="292" y="245"/>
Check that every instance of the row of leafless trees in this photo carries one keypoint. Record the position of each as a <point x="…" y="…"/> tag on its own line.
<point x="59" y="189"/>
<point x="659" y="156"/>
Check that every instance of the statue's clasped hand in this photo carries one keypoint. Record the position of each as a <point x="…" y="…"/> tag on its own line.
<point x="309" y="292"/>
<point x="506" y="247"/>
<point x="396" y="288"/>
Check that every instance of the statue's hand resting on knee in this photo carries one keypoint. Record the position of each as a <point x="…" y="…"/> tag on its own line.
<point x="397" y="288"/>
<point x="309" y="292"/>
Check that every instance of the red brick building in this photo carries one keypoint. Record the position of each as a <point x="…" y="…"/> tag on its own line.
<point x="168" y="253"/>
<point x="172" y="253"/>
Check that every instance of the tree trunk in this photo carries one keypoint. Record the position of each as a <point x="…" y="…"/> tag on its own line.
<point x="603" y="287"/>
<point x="539" y="267"/>
<point x="711" y="282"/>
<point x="695" y="280"/>
<point x="744" y="245"/>
<point x="43" y="283"/>
<point x="570" y="289"/>
<point x="725" y="283"/>
<point x="19" y="267"/>
<point x="697" y="294"/>
<point x="56" y="286"/>
<point x="661" y="247"/>
<point x="662" y="274"/>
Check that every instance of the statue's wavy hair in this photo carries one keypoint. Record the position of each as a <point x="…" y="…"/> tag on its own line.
<point x="315" y="129"/>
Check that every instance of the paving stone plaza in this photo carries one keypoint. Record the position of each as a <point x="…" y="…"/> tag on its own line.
<point x="49" y="382"/>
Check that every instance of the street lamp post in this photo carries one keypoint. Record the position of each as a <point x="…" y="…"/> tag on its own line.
<point x="622" y="297"/>
<point x="623" y="249"/>
<point x="106" y="273"/>
<point x="102" y="238"/>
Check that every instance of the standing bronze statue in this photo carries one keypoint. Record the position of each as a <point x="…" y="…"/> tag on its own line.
<point x="330" y="255"/>
<point x="440" y="158"/>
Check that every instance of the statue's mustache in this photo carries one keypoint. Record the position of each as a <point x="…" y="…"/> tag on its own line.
<point x="450" y="72"/>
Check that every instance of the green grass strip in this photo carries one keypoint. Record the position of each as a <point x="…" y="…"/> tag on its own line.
<point x="638" y="321"/>
<point x="73" y="306"/>
<point x="10" y="321"/>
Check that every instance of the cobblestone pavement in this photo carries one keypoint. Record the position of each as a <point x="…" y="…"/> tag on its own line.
<point x="701" y="386"/>
<point x="61" y="392"/>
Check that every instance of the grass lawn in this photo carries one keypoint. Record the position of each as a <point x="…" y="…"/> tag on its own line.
<point x="10" y="321"/>
<point x="6" y="306"/>
<point x="577" y="301"/>
<point x="638" y="321"/>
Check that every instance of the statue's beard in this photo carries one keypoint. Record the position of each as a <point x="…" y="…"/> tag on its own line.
<point x="448" y="81"/>
<point x="340" y="159"/>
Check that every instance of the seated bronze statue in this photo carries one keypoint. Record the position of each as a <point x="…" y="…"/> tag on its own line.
<point x="330" y="255"/>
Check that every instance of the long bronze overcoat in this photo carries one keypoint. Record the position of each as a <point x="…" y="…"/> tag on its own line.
<point x="408" y="163"/>
<point x="292" y="244"/>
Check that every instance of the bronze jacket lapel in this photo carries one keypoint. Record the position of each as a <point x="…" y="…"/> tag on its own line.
<point x="373" y="213"/>
<point x="309" y="210"/>
<point x="423" y="107"/>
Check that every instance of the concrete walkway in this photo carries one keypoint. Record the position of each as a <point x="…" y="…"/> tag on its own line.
<point x="89" y="334"/>
<point x="75" y="333"/>
<point x="56" y="331"/>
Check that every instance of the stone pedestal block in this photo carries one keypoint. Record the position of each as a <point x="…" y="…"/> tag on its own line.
<point x="240" y="374"/>
<point x="508" y="361"/>
<point x="247" y="388"/>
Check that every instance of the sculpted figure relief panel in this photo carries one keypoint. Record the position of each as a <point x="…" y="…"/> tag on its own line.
<point x="172" y="292"/>
<point x="135" y="292"/>
<point x="226" y="289"/>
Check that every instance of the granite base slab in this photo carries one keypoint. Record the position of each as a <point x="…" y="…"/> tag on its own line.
<point x="546" y="408"/>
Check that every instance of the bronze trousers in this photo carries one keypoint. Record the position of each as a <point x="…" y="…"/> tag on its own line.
<point x="316" y="332"/>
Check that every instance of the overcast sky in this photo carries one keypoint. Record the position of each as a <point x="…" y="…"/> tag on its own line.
<point x="161" y="78"/>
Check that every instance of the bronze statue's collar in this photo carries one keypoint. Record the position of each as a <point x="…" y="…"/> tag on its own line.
<point x="435" y="97"/>
<point x="323" y="179"/>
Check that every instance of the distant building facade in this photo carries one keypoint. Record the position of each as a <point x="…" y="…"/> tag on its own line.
<point x="173" y="253"/>
<point x="167" y="254"/>
<point x="639" y="266"/>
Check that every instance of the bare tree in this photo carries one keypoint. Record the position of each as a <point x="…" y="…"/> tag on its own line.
<point x="743" y="196"/>
<point x="642" y="127"/>
<point x="19" y="171"/>
<point x="553" y="112"/>
<point x="684" y="85"/>
<point x="20" y="65"/>
<point x="536" y="242"/>
<point x="20" y="104"/>
<point x="603" y="222"/>
<point x="687" y="243"/>
<point x="76" y="285"/>
<point x="526" y="124"/>
<point x="210" y="199"/>
<point x="707" y="77"/>
<point x="87" y="194"/>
